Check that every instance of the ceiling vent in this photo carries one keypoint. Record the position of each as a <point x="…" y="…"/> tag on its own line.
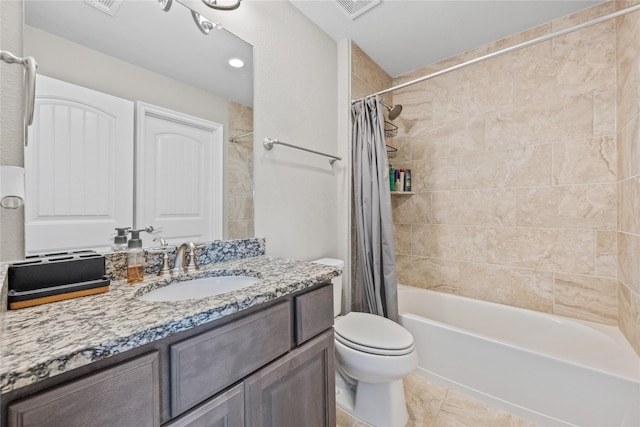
<point x="355" y="8"/>
<point x="110" y="7"/>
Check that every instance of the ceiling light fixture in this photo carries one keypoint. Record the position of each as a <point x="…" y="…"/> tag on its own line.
<point x="165" y="4"/>
<point x="204" y="25"/>
<point x="213" y="4"/>
<point x="236" y="62"/>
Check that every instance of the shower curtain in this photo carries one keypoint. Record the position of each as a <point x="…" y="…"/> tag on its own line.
<point x="375" y="285"/>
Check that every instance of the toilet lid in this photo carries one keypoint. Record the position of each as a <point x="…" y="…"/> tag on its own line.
<point x="373" y="334"/>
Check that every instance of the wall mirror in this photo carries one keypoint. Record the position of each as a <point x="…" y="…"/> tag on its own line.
<point x="167" y="66"/>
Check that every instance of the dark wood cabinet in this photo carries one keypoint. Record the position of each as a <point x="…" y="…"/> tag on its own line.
<point x="127" y="394"/>
<point x="273" y="366"/>
<point x="296" y="390"/>
<point x="206" y="364"/>
<point x="224" y="410"/>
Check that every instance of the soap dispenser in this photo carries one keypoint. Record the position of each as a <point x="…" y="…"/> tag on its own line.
<point x="135" y="258"/>
<point x="120" y="241"/>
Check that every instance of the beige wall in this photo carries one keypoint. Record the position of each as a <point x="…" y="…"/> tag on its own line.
<point x="239" y="163"/>
<point x="628" y="119"/>
<point x="514" y="167"/>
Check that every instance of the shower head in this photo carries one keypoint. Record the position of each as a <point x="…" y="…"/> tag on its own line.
<point x="394" y="111"/>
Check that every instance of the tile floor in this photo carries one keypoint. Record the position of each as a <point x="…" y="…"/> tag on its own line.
<point x="433" y="405"/>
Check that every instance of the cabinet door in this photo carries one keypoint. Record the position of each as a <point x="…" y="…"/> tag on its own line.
<point x="224" y="410"/>
<point x="124" y="395"/>
<point x="203" y="365"/>
<point x="296" y="390"/>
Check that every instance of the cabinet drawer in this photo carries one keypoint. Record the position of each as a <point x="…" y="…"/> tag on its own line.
<point x="314" y="313"/>
<point x="226" y="409"/>
<point x="208" y="363"/>
<point x="124" y="395"/>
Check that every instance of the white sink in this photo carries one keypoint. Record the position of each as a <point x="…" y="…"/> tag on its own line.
<point x="199" y="288"/>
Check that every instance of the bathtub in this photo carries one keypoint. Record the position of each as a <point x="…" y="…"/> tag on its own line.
<point x="548" y="369"/>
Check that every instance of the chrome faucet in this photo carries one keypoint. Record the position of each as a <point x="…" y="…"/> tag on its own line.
<point x="181" y="259"/>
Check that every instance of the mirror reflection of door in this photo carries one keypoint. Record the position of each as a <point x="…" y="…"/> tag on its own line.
<point x="79" y="168"/>
<point x="80" y="173"/>
<point x="178" y="175"/>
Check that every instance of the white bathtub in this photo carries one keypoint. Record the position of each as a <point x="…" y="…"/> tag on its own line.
<point x="548" y="369"/>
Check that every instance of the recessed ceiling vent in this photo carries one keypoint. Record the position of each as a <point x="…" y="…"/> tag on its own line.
<point x="110" y="7"/>
<point x="355" y="8"/>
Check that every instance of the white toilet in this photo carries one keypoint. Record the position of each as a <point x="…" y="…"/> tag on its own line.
<point x="373" y="354"/>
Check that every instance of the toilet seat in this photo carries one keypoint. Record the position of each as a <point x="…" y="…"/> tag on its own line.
<point x="373" y="334"/>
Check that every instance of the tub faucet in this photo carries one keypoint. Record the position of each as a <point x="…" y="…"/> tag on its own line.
<point x="181" y="259"/>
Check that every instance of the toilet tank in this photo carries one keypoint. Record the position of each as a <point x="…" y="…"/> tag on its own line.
<point x="337" y="283"/>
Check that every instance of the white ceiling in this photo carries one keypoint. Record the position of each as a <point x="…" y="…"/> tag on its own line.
<point x="404" y="35"/>
<point x="140" y="33"/>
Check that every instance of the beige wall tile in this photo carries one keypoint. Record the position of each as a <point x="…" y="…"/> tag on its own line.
<point x="586" y="297"/>
<point x="629" y="315"/>
<point x="519" y="167"/>
<point x="402" y="238"/>
<point x="590" y="53"/>
<point x="542" y="249"/>
<point x="518" y="287"/>
<point x="628" y="69"/>
<point x="411" y="209"/>
<point x="570" y="206"/>
<point x="430" y="174"/>
<point x="591" y="160"/>
<point x="628" y="264"/>
<point x="488" y="93"/>
<point x="449" y="242"/>
<point x="629" y="149"/>
<point x="540" y="123"/>
<point x="474" y="207"/>
<point x="403" y="144"/>
<point x="417" y="106"/>
<point x="460" y="136"/>
<point x="630" y="205"/>
<point x="240" y="208"/>
<point x="363" y="67"/>
<point x="428" y="273"/>
<point x="239" y="229"/>
<point x="604" y="110"/>
<point x="607" y="254"/>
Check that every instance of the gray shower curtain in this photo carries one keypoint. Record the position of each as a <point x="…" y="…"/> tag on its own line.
<point x="375" y="286"/>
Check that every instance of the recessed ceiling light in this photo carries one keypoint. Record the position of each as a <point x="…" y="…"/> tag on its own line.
<point x="236" y="62"/>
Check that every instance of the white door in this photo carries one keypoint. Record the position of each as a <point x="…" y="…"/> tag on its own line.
<point x="79" y="168"/>
<point x="179" y="175"/>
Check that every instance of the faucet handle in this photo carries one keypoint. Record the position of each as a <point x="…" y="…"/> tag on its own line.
<point x="162" y="241"/>
<point x="165" y="270"/>
<point x="193" y="262"/>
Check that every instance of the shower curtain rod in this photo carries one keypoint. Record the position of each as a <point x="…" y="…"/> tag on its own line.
<point x="506" y="50"/>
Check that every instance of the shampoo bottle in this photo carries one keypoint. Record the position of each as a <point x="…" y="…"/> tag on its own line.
<point x="135" y="258"/>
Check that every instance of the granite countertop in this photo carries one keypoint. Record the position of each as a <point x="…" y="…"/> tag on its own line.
<point x="47" y="340"/>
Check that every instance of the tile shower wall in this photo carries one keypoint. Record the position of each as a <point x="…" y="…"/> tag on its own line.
<point x="514" y="167"/>
<point x="628" y="112"/>
<point x="240" y="173"/>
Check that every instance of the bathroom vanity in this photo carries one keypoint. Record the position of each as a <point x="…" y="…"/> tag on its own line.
<point x="261" y="356"/>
